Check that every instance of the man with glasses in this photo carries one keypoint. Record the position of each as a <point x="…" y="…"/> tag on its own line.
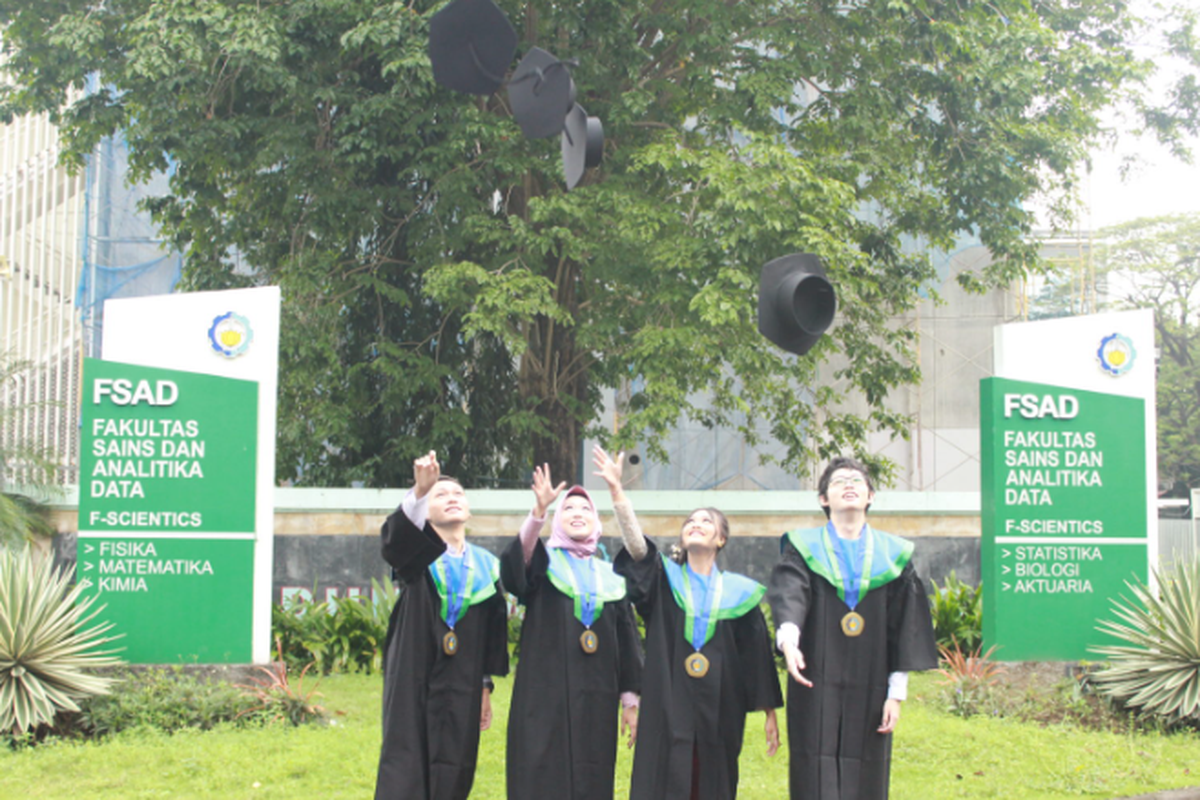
<point x="853" y="620"/>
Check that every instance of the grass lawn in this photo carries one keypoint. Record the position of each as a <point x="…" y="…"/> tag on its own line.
<point x="936" y="756"/>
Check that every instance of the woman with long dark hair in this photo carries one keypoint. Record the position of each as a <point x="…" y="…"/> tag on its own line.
<point x="709" y="659"/>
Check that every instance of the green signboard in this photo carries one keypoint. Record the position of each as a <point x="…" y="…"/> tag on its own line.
<point x="167" y="510"/>
<point x="1064" y="514"/>
<point x="176" y="598"/>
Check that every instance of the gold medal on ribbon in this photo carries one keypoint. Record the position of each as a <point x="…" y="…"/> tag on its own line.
<point x="696" y="665"/>
<point x="450" y="643"/>
<point x="589" y="641"/>
<point x="852" y="624"/>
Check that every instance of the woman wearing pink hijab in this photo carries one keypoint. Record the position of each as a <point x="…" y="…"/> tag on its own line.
<point x="580" y="663"/>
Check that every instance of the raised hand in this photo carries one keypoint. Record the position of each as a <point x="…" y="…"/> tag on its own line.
<point x="426" y="472"/>
<point x="608" y="468"/>
<point x="544" y="490"/>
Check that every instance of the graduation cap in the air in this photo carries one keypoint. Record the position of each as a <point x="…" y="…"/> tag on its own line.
<point x="471" y="44"/>
<point x="582" y="144"/>
<point x="541" y="92"/>
<point x="796" y="302"/>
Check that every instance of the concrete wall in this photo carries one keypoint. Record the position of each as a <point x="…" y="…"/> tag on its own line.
<point x="327" y="540"/>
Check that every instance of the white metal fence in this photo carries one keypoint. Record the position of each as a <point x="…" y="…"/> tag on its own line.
<point x="1177" y="541"/>
<point x="41" y="211"/>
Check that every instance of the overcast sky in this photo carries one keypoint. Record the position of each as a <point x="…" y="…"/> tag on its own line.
<point x="1159" y="185"/>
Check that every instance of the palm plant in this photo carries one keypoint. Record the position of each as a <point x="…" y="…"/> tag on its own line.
<point x="1158" y="672"/>
<point x="970" y="676"/>
<point x="46" y="642"/>
<point x="278" y="698"/>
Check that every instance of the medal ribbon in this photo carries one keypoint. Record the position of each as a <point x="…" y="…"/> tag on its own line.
<point x="451" y="576"/>
<point x="585" y="601"/>
<point x="844" y="582"/>
<point x="698" y="628"/>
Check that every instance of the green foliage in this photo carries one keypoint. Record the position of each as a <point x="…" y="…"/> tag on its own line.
<point x="970" y="678"/>
<point x="340" y="635"/>
<point x="21" y="519"/>
<point x="937" y="755"/>
<point x="440" y="282"/>
<point x="1155" y="263"/>
<point x="46" y="644"/>
<point x="1157" y="672"/>
<point x="957" y="609"/>
<point x="22" y="515"/>
<point x="167" y="700"/>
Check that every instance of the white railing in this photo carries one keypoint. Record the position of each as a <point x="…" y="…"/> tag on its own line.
<point x="41" y="211"/>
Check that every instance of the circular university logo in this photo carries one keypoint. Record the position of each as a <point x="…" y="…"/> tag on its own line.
<point x="1116" y="354"/>
<point x="230" y="334"/>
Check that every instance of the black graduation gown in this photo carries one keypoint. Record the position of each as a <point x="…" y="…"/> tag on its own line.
<point x="431" y="701"/>
<point x="683" y="718"/>
<point x="563" y="721"/>
<point x="834" y="750"/>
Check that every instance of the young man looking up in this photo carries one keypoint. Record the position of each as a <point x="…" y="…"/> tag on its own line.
<point x="852" y="621"/>
<point x="447" y="634"/>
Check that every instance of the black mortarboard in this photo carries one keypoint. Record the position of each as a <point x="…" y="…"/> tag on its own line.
<point x="471" y="44"/>
<point x="795" y="302"/>
<point x="541" y="93"/>
<point x="582" y="144"/>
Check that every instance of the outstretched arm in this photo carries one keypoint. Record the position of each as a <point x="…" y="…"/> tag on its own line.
<point x="787" y="639"/>
<point x="789" y="594"/>
<point x="631" y="532"/>
<point x="406" y="543"/>
<point x="426" y="471"/>
<point x="544" y="493"/>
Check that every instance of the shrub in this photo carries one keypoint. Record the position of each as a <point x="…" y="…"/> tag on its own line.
<point x="45" y="642"/>
<point x="339" y="635"/>
<point x="163" y="699"/>
<point x="957" y="613"/>
<point x="970" y="678"/>
<point x="277" y="700"/>
<point x="23" y="516"/>
<point x="1157" y="674"/>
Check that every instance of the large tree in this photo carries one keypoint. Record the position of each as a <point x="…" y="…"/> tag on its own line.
<point x="443" y="291"/>
<point x="1155" y="263"/>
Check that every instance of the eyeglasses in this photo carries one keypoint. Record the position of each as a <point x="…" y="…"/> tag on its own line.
<point x="855" y="480"/>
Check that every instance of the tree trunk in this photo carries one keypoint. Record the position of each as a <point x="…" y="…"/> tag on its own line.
<point x="553" y="382"/>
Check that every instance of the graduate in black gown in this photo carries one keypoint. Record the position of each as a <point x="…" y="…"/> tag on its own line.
<point x="709" y="659"/>
<point x="853" y="620"/>
<point x="580" y="658"/>
<point x="447" y="635"/>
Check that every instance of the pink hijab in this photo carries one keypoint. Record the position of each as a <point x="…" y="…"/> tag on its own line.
<point x="580" y="548"/>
